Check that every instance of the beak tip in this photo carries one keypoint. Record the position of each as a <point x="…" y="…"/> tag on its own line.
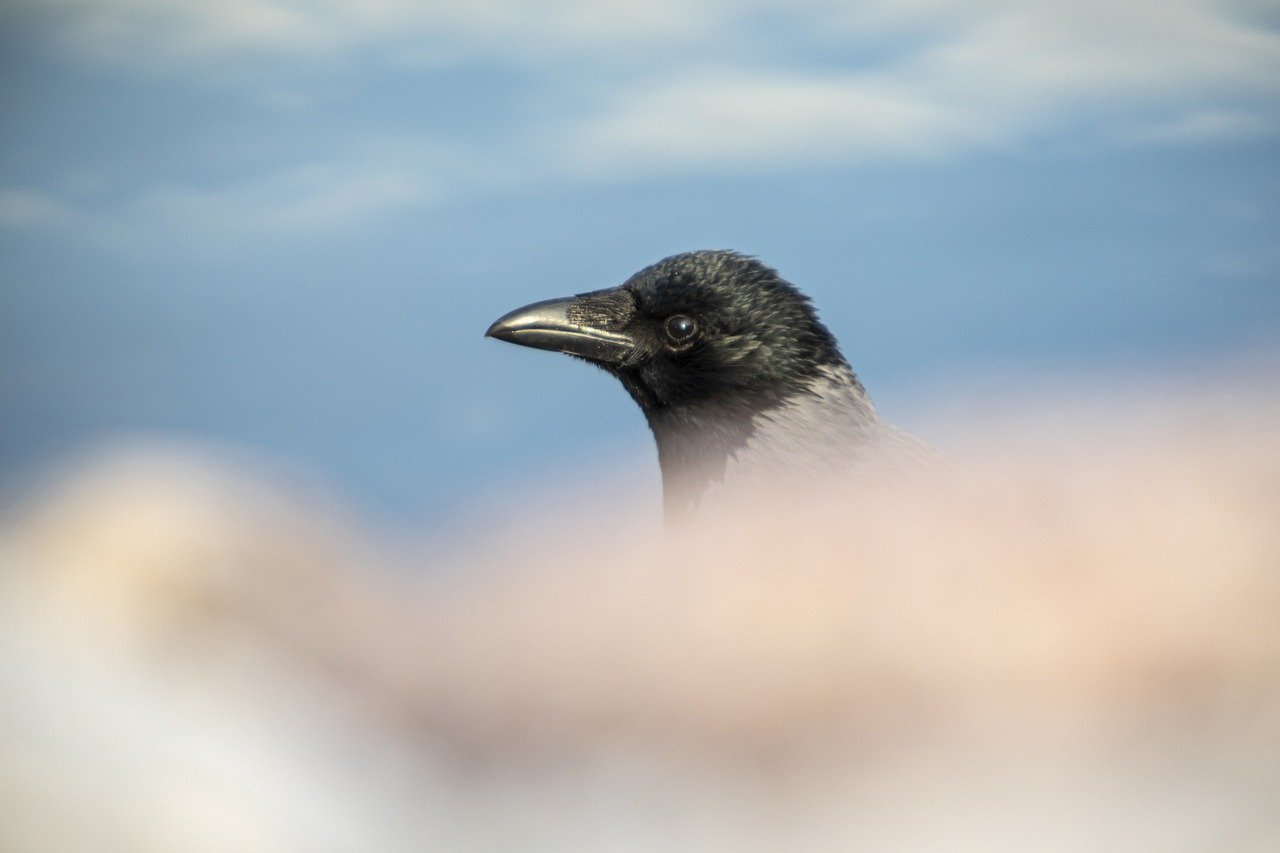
<point x="497" y="329"/>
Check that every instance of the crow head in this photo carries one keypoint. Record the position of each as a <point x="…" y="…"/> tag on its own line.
<point x="695" y="332"/>
<point x="705" y="342"/>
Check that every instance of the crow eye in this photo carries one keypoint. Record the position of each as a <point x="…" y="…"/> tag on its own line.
<point x="680" y="329"/>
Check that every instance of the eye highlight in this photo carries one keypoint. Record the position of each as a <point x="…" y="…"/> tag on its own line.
<point x="680" y="329"/>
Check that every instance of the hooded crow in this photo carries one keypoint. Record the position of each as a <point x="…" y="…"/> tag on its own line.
<point x="738" y="379"/>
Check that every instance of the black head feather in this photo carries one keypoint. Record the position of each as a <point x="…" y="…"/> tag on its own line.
<point x="758" y="339"/>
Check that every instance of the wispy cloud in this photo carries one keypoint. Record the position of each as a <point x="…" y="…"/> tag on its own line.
<point x="176" y="32"/>
<point x="627" y="89"/>
<point x="311" y="198"/>
<point x="302" y="202"/>
<point x="725" y="118"/>
<point x="1200" y="126"/>
<point x="1048" y="44"/>
<point x="1090" y="56"/>
<point x="21" y="208"/>
<point x="998" y="74"/>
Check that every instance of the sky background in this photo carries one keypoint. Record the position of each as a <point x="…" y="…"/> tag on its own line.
<point x="284" y="226"/>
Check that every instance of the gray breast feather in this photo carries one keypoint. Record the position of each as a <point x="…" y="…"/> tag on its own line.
<point x="829" y="431"/>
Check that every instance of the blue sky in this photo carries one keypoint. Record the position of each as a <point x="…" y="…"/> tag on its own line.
<point x="284" y="226"/>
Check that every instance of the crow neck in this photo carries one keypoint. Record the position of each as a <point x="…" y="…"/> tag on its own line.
<point x="695" y="445"/>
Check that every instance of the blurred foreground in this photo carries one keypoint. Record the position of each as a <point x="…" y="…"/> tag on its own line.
<point x="1072" y="643"/>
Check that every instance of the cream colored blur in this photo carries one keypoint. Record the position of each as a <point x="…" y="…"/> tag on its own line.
<point x="1071" y="641"/>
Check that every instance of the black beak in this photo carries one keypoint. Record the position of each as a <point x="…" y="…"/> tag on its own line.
<point x="590" y="326"/>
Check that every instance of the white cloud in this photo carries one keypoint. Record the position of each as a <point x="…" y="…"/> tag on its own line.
<point x="1200" y="126"/>
<point x="178" y="32"/>
<point x="305" y="199"/>
<point x="726" y="118"/>
<point x="998" y="73"/>
<point x="297" y="202"/>
<point x="20" y="208"/>
<point x="1043" y="42"/>
<point x="1106" y="50"/>
<point x="628" y="88"/>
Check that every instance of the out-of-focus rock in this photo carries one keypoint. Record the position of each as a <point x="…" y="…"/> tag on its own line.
<point x="1069" y="642"/>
